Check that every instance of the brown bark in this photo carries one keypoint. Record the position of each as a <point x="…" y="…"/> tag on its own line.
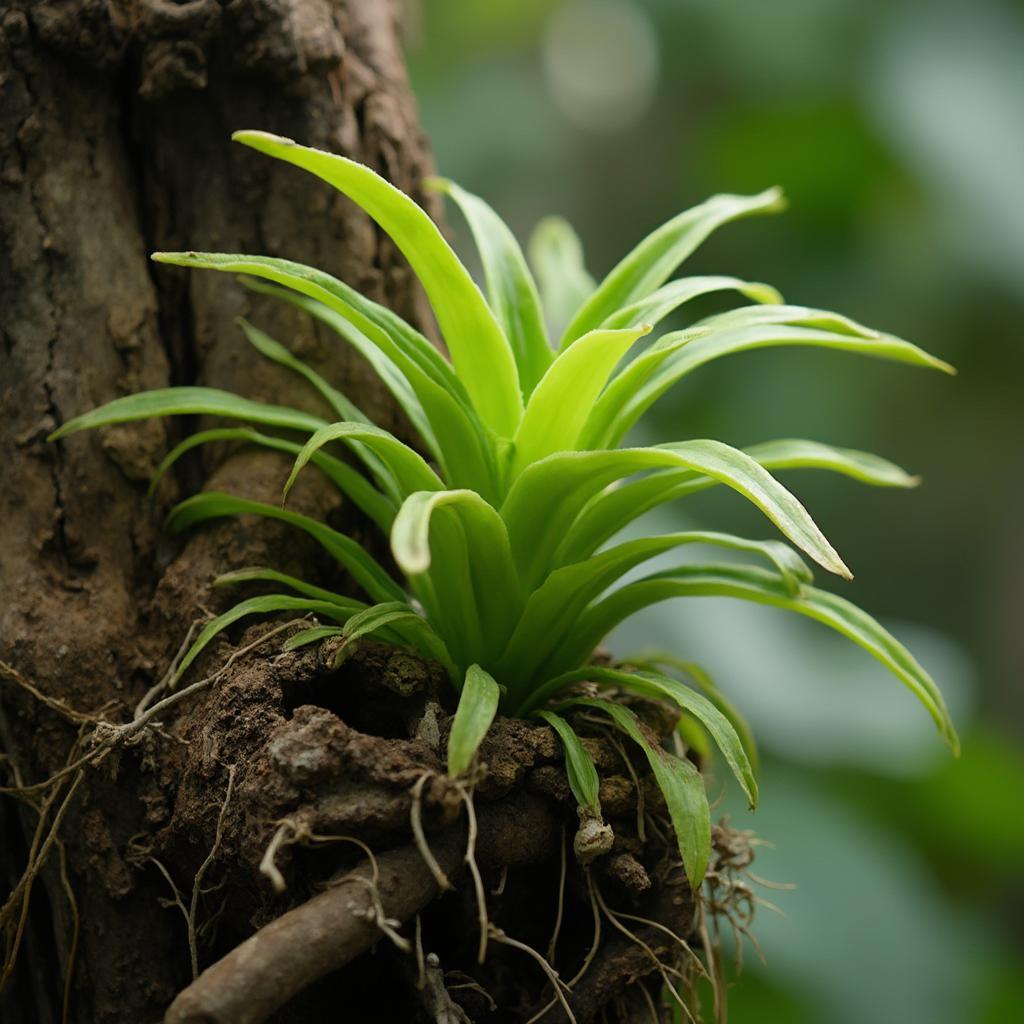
<point x="115" y="118"/>
<point x="114" y="140"/>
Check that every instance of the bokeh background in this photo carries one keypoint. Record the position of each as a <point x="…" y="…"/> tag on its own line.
<point x="897" y="129"/>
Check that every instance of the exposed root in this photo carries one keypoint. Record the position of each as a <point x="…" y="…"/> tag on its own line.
<point x="553" y="942"/>
<point x="55" y="704"/>
<point x="467" y="982"/>
<point x="107" y="736"/>
<point x="474" y="870"/>
<point x="663" y="969"/>
<point x="190" y="917"/>
<point x="14" y="913"/>
<point x="268" y="864"/>
<point x="499" y="936"/>
<point x="596" y="910"/>
<point x="172" y="670"/>
<point x="419" y="836"/>
<point x="69" y="974"/>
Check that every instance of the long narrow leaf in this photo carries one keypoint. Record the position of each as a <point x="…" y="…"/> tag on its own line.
<point x="259" y="574"/>
<point x="579" y="765"/>
<point x="653" y="308"/>
<point x="400" y="618"/>
<point x="655" y="259"/>
<point x="385" y="368"/>
<point x="314" y="635"/>
<point x="511" y="290"/>
<point x="495" y="585"/>
<point x="751" y="584"/>
<point x="556" y="257"/>
<point x="555" y="606"/>
<point x="478" y="704"/>
<point x="647" y="378"/>
<point x="190" y="401"/>
<point x="365" y="570"/>
<point x="546" y="498"/>
<point x="680" y="783"/>
<point x="408" y="468"/>
<point x="257" y="606"/>
<point x="611" y="511"/>
<point x="276" y="352"/>
<point x="378" y="507"/>
<point x="565" y="397"/>
<point x="462" y="448"/>
<point x="659" y="686"/>
<point x="479" y="350"/>
<point x="660" y="660"/>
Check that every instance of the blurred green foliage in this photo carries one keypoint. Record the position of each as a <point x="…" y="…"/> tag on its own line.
<point x="897" y="129"/>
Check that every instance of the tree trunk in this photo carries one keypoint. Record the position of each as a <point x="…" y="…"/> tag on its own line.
<point x="152" y="859"/>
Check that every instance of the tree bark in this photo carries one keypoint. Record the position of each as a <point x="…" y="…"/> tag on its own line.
<point x="115" y="117"/>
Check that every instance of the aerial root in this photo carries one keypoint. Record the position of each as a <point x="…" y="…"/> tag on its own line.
<point x="662" y="968"/>
<point x="108" y="735"/>
<point x="499" y="936"/>
<point x="69" y="892"/>
<point x="474" y="869"/>
<point x="14" y="913"/>
<point x="553" y="942"/>
<point x="419" y="836"/>
<point x="190" y="917"/>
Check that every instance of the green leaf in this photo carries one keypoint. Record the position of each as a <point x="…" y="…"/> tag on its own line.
<point x="655" y="259"/>
<point x="751" y="584"/>
<point x="565" y="397"/>
<point x="363" y="494"/>
<point x="680" y="784"/>
<point x="411" y="473"/>
<point x="311" y="636"/>
<point x="463" y="451"/>
<point x="648" y="377"/>
<point x="556" y="257"/>
<point x="665" y="659"/>
<point x="659" y="685"/>
<point x="555" y="606"/>
<point x="342" y="407"/>
<point x="794" y="453"/>
<point x="478" y="704"/>
<point x="546" y="497"/>
<point x="607" y="513"/>
<point x="653" y="308"/>
<point x="579" y="765"/>
<point x="474" y="537"/>
<point x="258" y="574"/>
<point x="479" y="350"/>
<point x="189" y="401"/>
<point x="364" y="569"/>
<point x="385" y="368"/>
<point x="510" y="287"/>
<point x="398" y="618"/>
<point x="257" y="606"/>
<point x="276" y="352"/>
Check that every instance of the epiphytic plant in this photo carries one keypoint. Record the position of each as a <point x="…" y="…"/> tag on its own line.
<point x="501" y="526"/>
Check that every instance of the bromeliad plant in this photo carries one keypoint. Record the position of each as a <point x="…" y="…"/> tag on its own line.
<point x="501" y="531"/>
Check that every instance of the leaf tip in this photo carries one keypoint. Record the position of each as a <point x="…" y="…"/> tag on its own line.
<point x="259" y="139"/>
<point x="774" y="199"/>
<point x="435" y="183"/>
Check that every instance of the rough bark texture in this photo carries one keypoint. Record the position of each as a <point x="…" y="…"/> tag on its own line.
<point x="115" y="118"/>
